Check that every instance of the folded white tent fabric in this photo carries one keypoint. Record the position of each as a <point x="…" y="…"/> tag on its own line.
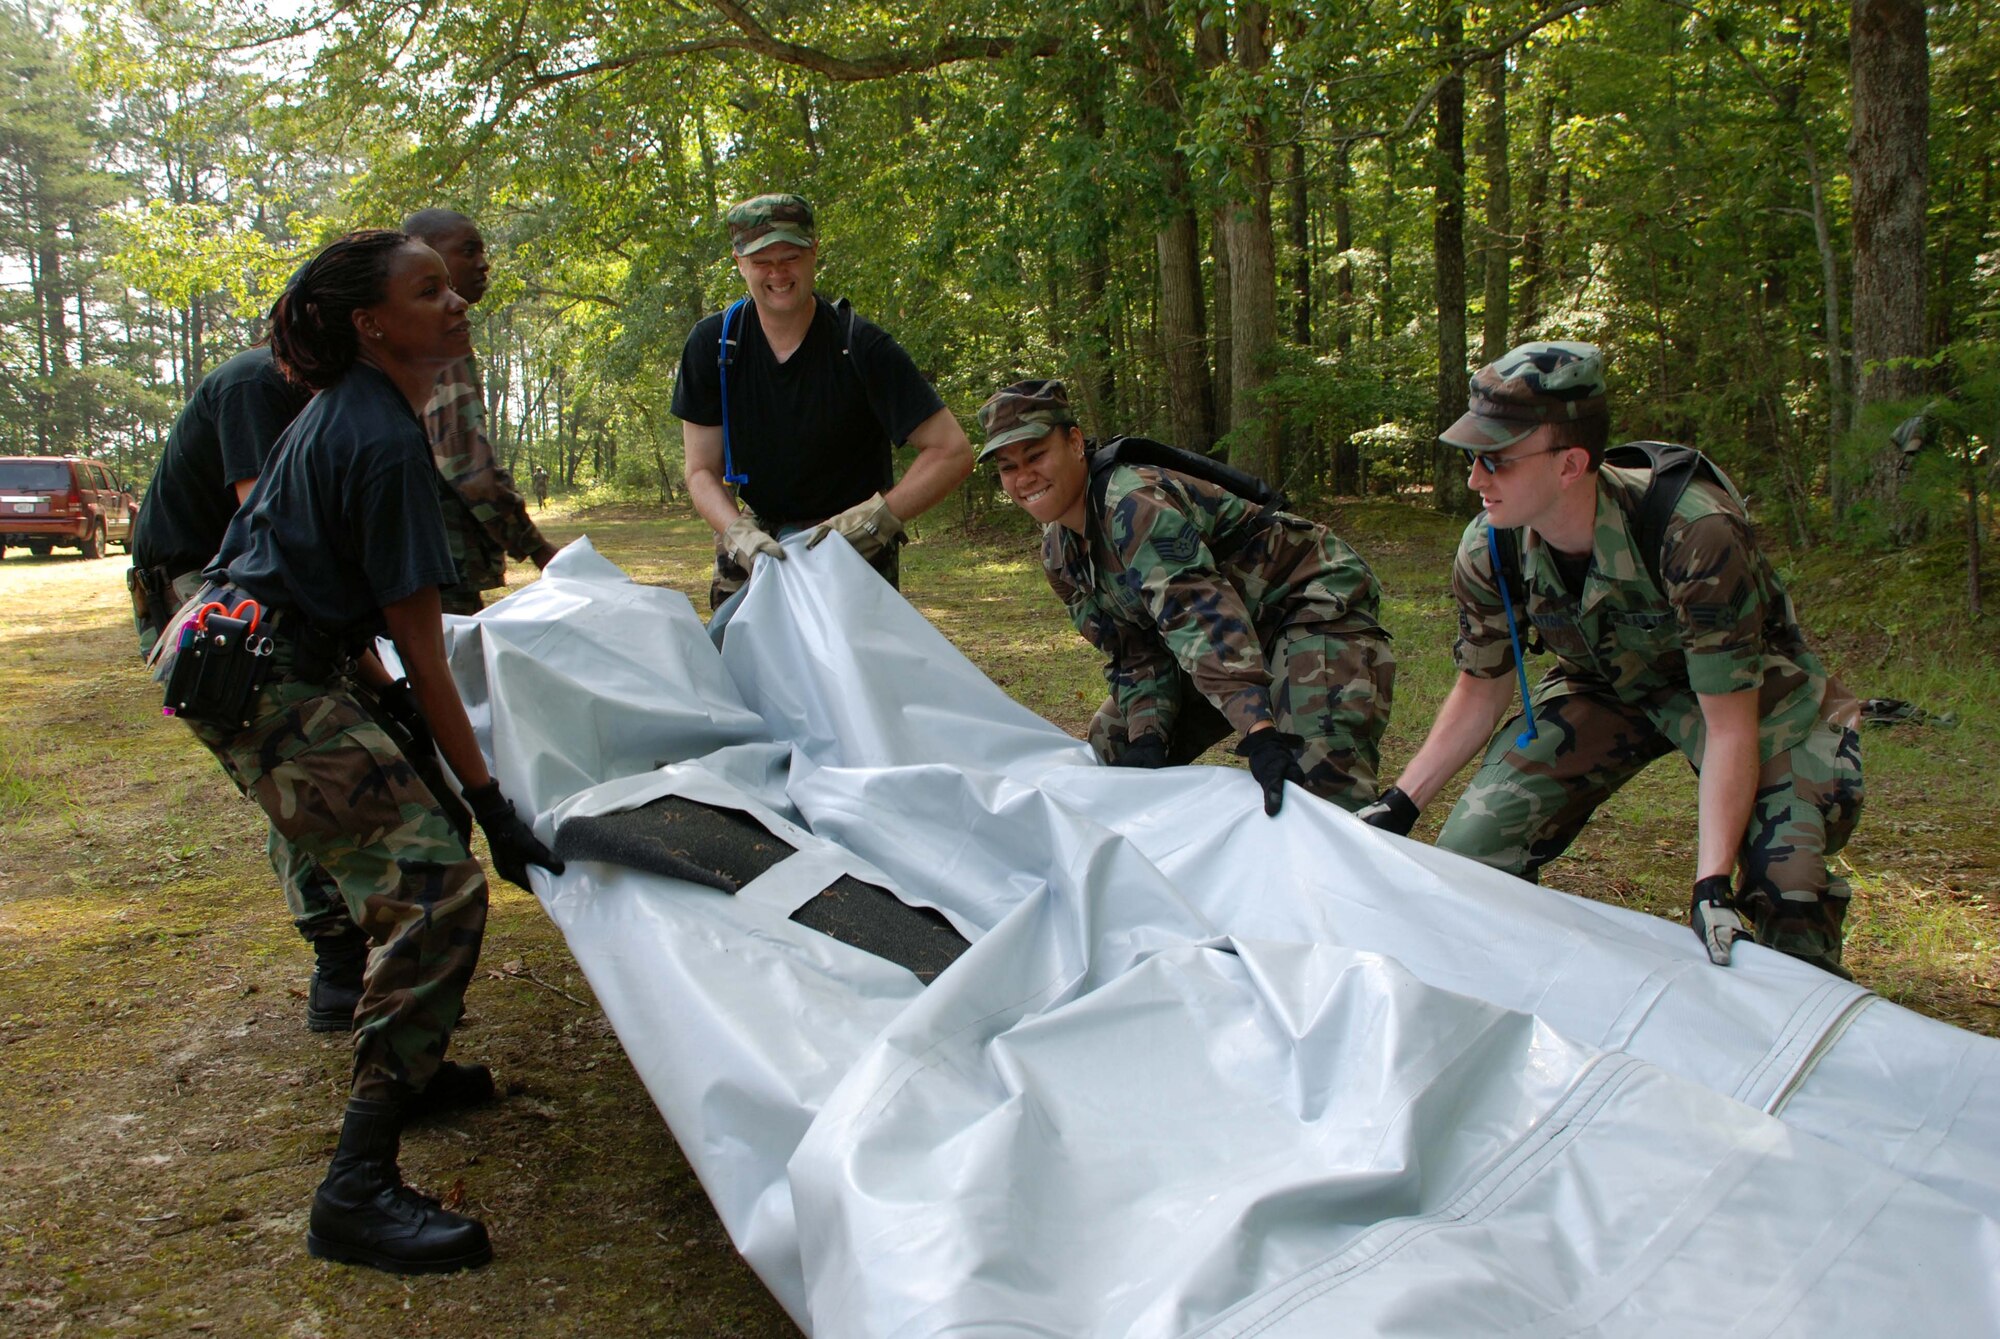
<point x="1200" y="1072"/>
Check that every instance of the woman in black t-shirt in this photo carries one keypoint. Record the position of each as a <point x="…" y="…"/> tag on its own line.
<point x="342" y="539"/>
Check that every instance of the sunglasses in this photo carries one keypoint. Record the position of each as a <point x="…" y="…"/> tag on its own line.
<point x="1494" y="463"/>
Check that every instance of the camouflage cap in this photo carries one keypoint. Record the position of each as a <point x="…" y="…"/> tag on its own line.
<point x="765" y="220"/>
<point x="1526" y="387"/>
<point x="1022" y="412"/>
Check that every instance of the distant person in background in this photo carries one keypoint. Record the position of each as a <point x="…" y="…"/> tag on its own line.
<point x="215" y="451"/>
<point x="541" y="488"/>
<point x="817" y="397"/>
<point x="1216" y="615"/>
<point x="488" y="520"/>
<point x="342" y="540"/>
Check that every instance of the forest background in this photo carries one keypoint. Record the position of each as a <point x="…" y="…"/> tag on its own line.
<point x="1280" y="231"/>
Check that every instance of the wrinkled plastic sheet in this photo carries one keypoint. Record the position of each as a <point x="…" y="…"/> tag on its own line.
<point x="1201" y="1072"/>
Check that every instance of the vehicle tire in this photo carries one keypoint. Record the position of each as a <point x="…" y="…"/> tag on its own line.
<point x="93" y="543"/>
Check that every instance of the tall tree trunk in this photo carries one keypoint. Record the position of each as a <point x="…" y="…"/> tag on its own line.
<point x="1223" y="322"/>
<point x="1497" y="247"/>
<point x="1829" y="267"/>
<point x="197" y="343"/>
<point x="1890" y="71"/>
<point x="1385" y="242"/>
<point x="1532" y="231"/>
<point x="1183" y="331"/>
<point x="1343" y="244"/>
<point x="1100" y="386"/>
<point x="1211" y="48"/>
<point x="1300" y="219"/>
<point x="1253" y="270"/>
<point x="1183" y="336"/>
<point x="1300" y="446"/>
<point x="1346" y="455"/>
<point x="1449" y="492"/>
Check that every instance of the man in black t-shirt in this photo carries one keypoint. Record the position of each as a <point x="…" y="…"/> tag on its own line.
<point x="214" y="453"/>
<point x="816" y="399"/>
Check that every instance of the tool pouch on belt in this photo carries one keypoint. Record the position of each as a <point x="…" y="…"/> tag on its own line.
<point x="220" y="662"/>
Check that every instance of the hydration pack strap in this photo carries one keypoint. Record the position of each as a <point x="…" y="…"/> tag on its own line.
<point x="729" y="474"/>
<point x="1514" y="635"/>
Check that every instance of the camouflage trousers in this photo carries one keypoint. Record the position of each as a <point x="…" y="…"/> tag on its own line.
<point x="342" y="797"/>
<point x="318" y="909"/>
<point x="730" y="574"/>
<point x="1527" y="803"/>
<point x="1331" y="687"/>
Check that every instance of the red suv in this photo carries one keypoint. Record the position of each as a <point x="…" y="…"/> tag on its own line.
<point x="61" y="501"/>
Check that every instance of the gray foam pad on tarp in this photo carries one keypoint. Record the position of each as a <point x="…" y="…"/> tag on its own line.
<point x="725" y="849"/>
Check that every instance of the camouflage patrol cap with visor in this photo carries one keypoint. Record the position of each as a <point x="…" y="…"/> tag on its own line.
<point x="765" y="220"/>
<point x="1544" y="382"/>
<point x="1023" y="412"/>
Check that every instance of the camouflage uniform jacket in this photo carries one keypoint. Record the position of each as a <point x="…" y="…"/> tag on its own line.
<point x="1178" y="575"/>
<point x="1724" y="623"/>
<point x="490" y="518"/>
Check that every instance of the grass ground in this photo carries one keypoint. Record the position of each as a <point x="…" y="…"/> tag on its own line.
<point x="163" y="1113"/>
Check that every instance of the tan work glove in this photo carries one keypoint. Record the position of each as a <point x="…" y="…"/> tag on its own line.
<point x="869" y="526"/>
<point x="745" y="541"/>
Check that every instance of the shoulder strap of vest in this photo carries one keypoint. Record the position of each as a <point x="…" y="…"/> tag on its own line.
<point x="1674" y="468"/>
<point x="1146" y="451"/>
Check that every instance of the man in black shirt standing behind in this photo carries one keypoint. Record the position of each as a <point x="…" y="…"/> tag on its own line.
<point x="815" y="398"/>
<point x="215" y="452"/>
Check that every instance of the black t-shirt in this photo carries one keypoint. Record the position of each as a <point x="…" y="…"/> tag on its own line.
<point x="346" y="517"/>
<point x="812" y="433"/>
<point x="225" y="432"/>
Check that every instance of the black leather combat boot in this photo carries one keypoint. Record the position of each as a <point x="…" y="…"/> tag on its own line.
<point x="363" y="1214"/>
<point x="336" y="982"/>
<point x="453" y="1088"/>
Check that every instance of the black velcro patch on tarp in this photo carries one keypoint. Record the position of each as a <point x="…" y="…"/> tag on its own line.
<point x="725" y="849"/>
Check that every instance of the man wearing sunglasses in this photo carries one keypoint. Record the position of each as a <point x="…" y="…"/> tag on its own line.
<point x="1707" y="660"/>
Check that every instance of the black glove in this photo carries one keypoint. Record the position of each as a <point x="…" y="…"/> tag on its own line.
<point x="399" y="709"/>
<point x="1391" y="811"/>
<point x="1274" y="760"/>
<point x="513" y="843"/>
<point x="1148" y="751"/>
<point x="1713" y="917"/>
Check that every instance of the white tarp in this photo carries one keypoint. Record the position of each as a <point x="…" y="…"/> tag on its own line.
<point x="1201" y="1071"/>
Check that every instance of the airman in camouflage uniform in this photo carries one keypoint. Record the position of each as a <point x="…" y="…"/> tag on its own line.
<point x="486" y="518"/>
<point x="1215" y="615"/>
<point x="1639" y="666"/>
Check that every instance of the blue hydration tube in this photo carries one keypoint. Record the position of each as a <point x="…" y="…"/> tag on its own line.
<point x="1521" y="740"/>
<point x="729" y="474"/>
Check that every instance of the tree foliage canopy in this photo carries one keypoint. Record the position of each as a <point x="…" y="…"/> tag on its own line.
<point x="1012" y="189"/>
